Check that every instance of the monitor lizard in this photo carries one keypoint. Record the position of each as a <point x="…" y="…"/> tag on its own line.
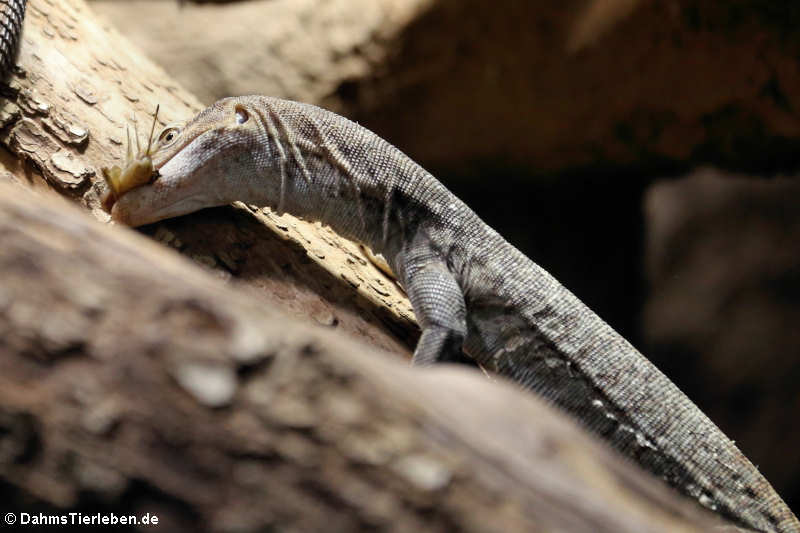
<point x="469" y="288"/>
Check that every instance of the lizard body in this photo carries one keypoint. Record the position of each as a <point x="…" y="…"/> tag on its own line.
<point x="469" y="288"/>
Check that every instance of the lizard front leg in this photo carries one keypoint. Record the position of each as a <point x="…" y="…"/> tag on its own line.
<point x="439" y="305"/>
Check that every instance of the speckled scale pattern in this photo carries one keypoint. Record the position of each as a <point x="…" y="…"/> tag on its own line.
<point x="470" y="288"/>
<point x="12" y="13"/>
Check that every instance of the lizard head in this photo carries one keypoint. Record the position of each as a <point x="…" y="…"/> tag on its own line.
<point x="195" y="163"/>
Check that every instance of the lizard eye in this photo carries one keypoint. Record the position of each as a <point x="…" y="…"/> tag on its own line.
<point x="241" y="115"/>
<point x="168" y="136"/>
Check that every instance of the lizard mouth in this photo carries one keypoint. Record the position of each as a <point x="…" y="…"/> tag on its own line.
<point x="109" y="198"/>
<point x="168" y="182"/>
<point x="138" y="217"/>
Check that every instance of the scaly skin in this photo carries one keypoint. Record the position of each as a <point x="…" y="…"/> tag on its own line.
<point x="469" y="287"/>
<point x="12" y="12"/>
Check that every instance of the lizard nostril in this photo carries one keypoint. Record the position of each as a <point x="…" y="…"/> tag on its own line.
<point x="241" y="115"/>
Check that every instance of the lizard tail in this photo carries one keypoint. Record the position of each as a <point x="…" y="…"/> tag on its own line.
<point x="11" y="14"/>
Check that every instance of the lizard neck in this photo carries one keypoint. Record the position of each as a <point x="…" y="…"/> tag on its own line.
<point x="353" y="207"/>
<point x="312" y="167"/>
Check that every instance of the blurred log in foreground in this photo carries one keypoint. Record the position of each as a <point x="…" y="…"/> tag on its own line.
<point x="133" y="381"/>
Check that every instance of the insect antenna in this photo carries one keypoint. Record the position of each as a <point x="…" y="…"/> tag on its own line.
<point x="129" y="154"/>
<point x="136" y="134"/>
<point x="152" y="129"/>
